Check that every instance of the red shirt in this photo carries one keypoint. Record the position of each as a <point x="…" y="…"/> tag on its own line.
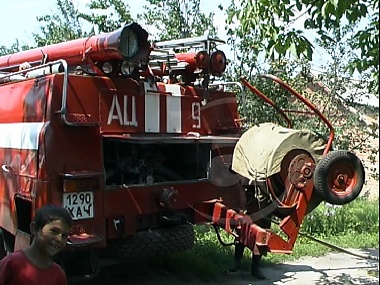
<point x="16" y="269"/>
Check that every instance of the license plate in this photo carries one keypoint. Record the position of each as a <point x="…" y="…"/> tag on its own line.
<point x="80" y="204"/>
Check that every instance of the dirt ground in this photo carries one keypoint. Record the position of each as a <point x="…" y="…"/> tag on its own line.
<point x="331" y="269"/>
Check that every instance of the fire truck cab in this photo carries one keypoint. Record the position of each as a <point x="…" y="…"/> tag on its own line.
<point x="131" y="154"/>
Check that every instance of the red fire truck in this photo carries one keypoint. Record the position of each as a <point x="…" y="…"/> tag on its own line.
<point x="139" y="142"/>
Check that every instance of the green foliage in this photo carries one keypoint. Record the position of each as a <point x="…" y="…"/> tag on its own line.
<point x="175" y="19"/>
<point x="367" y="41"/>
<point x="357" y="217"/>
<point x="324" y="90"/>
<point x="16" y="47"/>
<point x="207" y="260"/>
<point x="67" y="22"/>
<point x="110" y="15"/>
<point x="266" y="27"/>
<point x="337" y="79"/>
<point x="62" y="26"/>
<point x="307" y="247"/>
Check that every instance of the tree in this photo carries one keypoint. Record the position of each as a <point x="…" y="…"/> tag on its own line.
<point x="266" y="26"/>
<point x="324" y="90"/>
<point x="175" y="19"/>
<point x="67" y="22"/>
<point x="64" y="25"/>
<point x="14" y="48"/>
<point x="115" y="14"/>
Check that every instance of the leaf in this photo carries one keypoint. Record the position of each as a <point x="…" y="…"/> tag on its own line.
<point x="298" y="5"/>
<point x="324" y="8"/>
<point x="334" y="3"/>
<point x="293" y="49"/>
<point x="327" y="9"/>
<point x="309" y="51"/>
<point x="279" y="48"/>
<point x="309" y="24"/>
<point x="230" y="16"/>
<point x="325" y="37"/>
<point x="363" y="9"/>
<point x="274" y="33"/>
<point x="248" y="14"/>
<point x="241" y="14"/>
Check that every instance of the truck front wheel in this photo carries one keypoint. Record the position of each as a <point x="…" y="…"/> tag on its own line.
<point x="151" y="243"/>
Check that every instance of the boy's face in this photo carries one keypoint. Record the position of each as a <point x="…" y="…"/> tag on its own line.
<point x="52" y="238"/>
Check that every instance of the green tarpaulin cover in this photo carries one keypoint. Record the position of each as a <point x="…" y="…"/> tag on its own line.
<point x="260" y="150"/>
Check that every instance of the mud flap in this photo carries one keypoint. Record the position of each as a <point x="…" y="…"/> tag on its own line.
<point x="79" y="265"/>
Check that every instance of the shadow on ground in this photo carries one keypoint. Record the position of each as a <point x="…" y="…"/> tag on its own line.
<point x="332" y="269"/>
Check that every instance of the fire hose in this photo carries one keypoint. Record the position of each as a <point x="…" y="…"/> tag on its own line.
<point x="337" y="248"/>
<point x="334" y="247"/>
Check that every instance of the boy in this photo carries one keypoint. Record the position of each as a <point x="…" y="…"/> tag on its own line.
<point x="34" y="265"/>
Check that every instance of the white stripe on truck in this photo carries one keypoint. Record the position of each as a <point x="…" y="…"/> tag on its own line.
<point x="20" y="135"/>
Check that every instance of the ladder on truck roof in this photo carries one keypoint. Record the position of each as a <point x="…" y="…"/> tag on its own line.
<point x="165" y="51"/>
<point x="34" y="71"/>
<point x="204" y="42"/>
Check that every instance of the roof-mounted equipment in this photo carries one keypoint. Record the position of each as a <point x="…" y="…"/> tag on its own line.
<point x="129" y="43"/>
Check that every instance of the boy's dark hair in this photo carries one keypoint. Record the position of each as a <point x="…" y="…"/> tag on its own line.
<point x="49" y="213"/>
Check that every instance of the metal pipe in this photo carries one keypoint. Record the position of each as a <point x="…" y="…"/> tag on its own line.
<point x="308" y="104"/>
<point x="113" y="45"/>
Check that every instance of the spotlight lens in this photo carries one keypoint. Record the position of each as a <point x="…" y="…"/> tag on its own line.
<point x="129" y="44"/>
<point x="218" y="62"/>
<point x="107" y="67"/>
<point x="126" y="68"/>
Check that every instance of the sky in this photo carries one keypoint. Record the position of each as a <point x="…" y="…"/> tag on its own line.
<point x="18" y="21"/>
<point x="26" y="11"/>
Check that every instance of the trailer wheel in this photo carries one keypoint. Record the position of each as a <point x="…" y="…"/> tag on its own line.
<point x="339" y="177"/>
<point x="151" y="243"/>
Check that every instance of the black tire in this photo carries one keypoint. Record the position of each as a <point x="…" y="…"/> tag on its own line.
<point x="152" y="243"/>
<point x="339" y="177"/>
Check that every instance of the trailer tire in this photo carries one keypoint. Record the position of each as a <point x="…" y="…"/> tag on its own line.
<point x="339" y="177"/>
<point x="152" y="243"/>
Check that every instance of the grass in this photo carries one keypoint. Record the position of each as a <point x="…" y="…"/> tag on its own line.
<point x="306" y="247"/>
<point x="355" y="225"/>
<point x="207" y="260"/>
